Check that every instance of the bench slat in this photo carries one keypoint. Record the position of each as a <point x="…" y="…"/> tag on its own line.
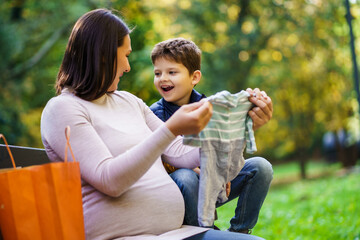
<point x="23" y="156"/>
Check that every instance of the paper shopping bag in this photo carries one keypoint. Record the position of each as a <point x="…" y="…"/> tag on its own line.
<point x="43" y="201"/>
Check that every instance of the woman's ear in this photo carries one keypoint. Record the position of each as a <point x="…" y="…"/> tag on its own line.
<point x="196" y="76"/>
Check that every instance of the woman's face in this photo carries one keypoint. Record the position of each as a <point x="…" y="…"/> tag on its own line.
<point x="123" y="65"/>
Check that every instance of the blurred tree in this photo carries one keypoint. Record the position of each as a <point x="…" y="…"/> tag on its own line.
<point x="295" y="50"/>
<point x="29" y="31"/>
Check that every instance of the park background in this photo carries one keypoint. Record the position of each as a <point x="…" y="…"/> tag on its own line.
<point x="298" y="51"/>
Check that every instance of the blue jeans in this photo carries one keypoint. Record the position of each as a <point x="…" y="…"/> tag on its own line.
<point x="250" y="187"/>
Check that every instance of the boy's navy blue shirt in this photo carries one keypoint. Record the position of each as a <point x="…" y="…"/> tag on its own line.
<point x="164" y="110"/>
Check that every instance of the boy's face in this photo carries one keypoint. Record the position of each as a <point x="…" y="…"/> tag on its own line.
<point x="173" y="81"/>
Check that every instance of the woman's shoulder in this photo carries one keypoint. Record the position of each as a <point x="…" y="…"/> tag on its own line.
<point x="126" y="95"/>
<point x="61" y="100"/>
<point x="65" y="104"/>
<point x="129" y="97"/>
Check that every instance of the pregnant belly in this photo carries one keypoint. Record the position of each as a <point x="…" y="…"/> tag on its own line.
<point x="152" y="208"/>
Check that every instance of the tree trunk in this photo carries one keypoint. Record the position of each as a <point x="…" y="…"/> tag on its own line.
<point x="17" y="10"/>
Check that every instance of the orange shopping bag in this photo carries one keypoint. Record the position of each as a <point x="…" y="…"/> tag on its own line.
<point x="42" y="202"/>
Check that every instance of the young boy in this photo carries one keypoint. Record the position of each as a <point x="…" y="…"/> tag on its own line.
<point x="177" y="71"/>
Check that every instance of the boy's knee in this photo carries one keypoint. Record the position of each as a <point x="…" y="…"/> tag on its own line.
<point x="263" y="167"/>
<point x="185" y="177"/>
<point x="266" y="169"/>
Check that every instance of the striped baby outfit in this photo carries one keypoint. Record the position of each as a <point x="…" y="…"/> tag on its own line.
<point x="222" y="143"/>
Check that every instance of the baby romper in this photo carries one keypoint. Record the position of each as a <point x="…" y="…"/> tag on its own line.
<point x="222" y="143"/>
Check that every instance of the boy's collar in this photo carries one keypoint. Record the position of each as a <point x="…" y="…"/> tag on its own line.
<point x="194" y="97"/>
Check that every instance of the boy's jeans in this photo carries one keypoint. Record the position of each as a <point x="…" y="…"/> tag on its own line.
<point x="250" y="186"/>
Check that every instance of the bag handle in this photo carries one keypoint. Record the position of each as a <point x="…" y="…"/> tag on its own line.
<point x="67" y="136"/>
<point x="8" y="149"/>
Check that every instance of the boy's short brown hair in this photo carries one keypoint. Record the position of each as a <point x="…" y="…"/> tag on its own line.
<point x="179" y="50"/>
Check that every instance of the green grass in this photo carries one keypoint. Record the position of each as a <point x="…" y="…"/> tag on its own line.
<point x="290" y="172"/>
<point x="322" y="208"/>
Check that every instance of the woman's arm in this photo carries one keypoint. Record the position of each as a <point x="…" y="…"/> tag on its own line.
<point x="177" y="154"/>
<point x="181" y="156"/>
<point x="109" y="174"/>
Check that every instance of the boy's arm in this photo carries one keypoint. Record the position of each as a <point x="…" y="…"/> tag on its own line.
<point x="262" y="112"/>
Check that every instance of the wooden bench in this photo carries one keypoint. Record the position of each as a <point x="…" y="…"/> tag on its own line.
<point x="23" y="156"/>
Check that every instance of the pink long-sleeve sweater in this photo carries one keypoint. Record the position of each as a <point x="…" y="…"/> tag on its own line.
<point x="119" y="143"/>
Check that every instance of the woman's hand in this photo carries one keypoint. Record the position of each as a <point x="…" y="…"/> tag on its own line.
<point x="190" y="118"/>
<point x="262" y="112"/>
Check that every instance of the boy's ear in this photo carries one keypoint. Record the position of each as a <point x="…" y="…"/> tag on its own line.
<point x="196" y="76"/>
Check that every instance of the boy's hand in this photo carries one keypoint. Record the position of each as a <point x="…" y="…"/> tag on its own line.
<point x="190" y="118"/>
<point x="197" y="170"/>
<point x="228" y="189"/>
<point x="262" y="112"/>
